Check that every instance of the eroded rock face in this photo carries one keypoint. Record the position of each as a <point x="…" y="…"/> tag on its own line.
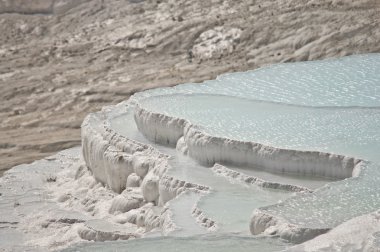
<point x="27" y="7"/>
<point x="38" y="6"/>
<point x="216" y="42"/>
<point x="116" y="46"/>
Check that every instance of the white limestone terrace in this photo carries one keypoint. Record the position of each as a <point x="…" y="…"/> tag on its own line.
<point x="358" y="234"/>
<point x="206" y="210"/>
<point x="295" y="143"/>
<point x="285" y="138"/>
<point x="315" y="118"/>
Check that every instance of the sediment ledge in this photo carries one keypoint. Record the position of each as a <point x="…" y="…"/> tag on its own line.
<point x="112" y="158"/>
<point x="202" y="219"/>
<point x="117" y="161"/>
<point x="209" y="150"/>
<point x="350" y="233"/>
<point x="264" y="223"/>
<point x="128" y="166"/>
<point x="171" y="187"/>
<point x="267" y="220"/>
<point x="228" y="173"/>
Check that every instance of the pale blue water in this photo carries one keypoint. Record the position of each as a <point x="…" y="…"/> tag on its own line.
<point x="348" y="81"/>
<point x="353" y="131"/>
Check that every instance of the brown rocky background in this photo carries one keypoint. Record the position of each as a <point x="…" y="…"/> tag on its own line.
<point x="60" y="60"/>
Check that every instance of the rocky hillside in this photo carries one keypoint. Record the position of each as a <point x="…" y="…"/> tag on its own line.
<point x="62" y="59"/>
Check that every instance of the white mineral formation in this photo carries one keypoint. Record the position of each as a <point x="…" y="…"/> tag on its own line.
<point x="208" y="149"/>
<point x="359" y="234"/>
<point x="143" y="172"/>
<point x="234" y="175"/>
<point x="133" y="180"/>
<point x="262" y="222"/>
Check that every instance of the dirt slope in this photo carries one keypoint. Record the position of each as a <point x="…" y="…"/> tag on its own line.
<point x="60" y="60"/>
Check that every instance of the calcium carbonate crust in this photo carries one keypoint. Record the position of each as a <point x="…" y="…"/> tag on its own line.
<point x="234" y="175"/>
<point x="123" y="164"/>
<point x="267" y="223"/>
<point x="191" y="139"/>
<point x="114" y="158"/>
<point x="358" y="234"/>
<point x="210" y="150"/>
<point x="264" y="223"/>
